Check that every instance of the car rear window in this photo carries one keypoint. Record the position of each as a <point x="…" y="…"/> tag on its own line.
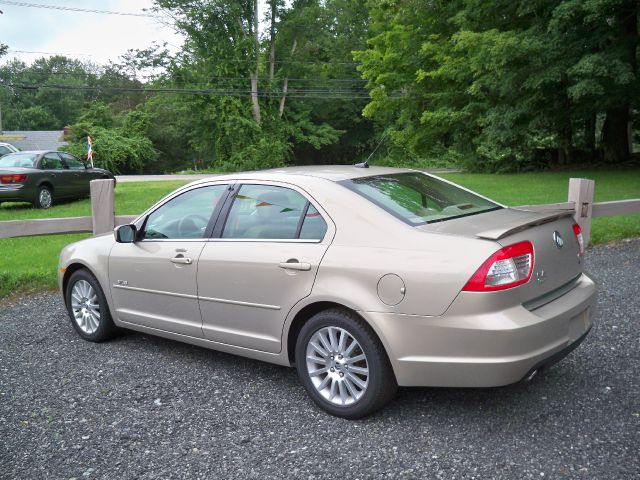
<point x="417" y="198"/>
<point x="13" y="160"/>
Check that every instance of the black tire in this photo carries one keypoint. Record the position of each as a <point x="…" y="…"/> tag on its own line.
<point x="381" y="382"/>
<point x="106" y="329"/>
<point x="39" y="201"/>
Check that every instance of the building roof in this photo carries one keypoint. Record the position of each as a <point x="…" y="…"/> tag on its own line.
<point x="34" y="140"/>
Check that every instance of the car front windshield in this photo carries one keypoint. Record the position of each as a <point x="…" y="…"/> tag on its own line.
<point x="26" y="160"/>
<point x="417" y="198"/>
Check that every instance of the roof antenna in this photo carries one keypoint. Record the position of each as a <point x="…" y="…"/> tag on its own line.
<point x="365" y="164"/>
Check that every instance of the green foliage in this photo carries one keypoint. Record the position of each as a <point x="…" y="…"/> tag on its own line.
<point x="120" y="143"/>
<point x="504" y="83"/>
<point x="31" y="99"/>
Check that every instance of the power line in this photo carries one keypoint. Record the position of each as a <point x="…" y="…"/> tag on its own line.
<point x="51" y="53"/>
<point x="247" y="61"/>
<point x="76" y="9"/>
<point x="299" y="94"/>
<point x="319" y="80"/>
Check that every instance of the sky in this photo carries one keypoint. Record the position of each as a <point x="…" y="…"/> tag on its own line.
<point x="94" y="37"/>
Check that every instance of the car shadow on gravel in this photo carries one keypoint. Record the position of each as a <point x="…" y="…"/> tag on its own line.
<point x="525" y="399"/>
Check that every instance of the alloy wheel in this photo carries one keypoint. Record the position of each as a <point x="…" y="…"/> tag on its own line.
<point x="337" y="366"/>
<point x="45" y="198"/>
<point x="85" y="306"/>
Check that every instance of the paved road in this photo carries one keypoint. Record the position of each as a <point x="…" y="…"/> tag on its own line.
<point x="144" y="407"/>
<point x="156" y="178"/>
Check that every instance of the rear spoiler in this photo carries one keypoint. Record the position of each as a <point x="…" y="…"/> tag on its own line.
<point x="536" y="218"/>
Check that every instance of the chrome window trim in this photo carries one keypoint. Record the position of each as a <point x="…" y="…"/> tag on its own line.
<point x="328" y="236"/>
<point x="177" y="240"/>
<point x="181" y="191"/>
<point x="310" y="202"/>
<point x="260" y="240"/>
<point x="184" y="189"/>
<point x="263" y="240"/>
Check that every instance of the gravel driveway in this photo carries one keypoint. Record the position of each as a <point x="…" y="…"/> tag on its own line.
<point x="144" y="407"/>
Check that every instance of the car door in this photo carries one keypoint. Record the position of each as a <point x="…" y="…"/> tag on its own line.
<point x="54" y="172"/>
<point x="153" y="280"/>
<point x="79" y="178"/>
<point x="262" y="260"/>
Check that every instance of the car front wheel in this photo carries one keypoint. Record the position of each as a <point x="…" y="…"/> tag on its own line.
<point x="343" y="365"/>
<point x="87" y="307"/>
<point x="44" y="197"/>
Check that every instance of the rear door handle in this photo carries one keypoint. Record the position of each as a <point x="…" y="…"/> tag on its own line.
<point x="295" y="266"/>
<point x="182" y="260"/>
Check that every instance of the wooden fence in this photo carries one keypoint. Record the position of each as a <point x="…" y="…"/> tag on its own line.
<point x="103" y="218"/>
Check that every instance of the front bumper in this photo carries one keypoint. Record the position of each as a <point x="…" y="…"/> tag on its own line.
<point x="478" y="344"/>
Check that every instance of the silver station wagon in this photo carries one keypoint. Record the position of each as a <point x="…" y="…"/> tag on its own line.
<point x="365" y="279"/>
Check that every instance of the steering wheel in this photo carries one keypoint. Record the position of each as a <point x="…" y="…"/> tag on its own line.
<point x="192" y="225"/>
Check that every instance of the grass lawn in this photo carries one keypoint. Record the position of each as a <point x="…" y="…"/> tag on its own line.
<point x="132" y="198"/>
<point x="552" y="187"/>
<point x="29" y="264"/>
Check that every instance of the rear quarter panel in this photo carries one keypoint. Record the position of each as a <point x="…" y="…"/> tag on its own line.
<point x="432" y="275"/>
<point x="370" y="243"/>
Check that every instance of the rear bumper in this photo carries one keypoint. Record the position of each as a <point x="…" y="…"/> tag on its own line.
<point x="478" y="344"/>
<point x="16" y="192"/>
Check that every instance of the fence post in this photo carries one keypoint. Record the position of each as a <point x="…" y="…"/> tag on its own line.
<point x="581" y="192"/>
<point x="102" y="205"/>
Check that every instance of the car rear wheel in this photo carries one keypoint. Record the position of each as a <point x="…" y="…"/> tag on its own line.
<point x="343" y="365"/>
<point x="44" y="197"/>
<point x="87" y="307"/>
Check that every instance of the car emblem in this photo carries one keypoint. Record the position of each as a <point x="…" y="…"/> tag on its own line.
<point x="558" y="239"/>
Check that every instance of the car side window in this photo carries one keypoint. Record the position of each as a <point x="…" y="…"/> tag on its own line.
<point x="266" y="212"/>
<point x="4" y="150"/>
<point x="51" y="161"/>
<point x="72" y="162"/>
<point x="185" y="216"/>
<point x="313" y="227"/>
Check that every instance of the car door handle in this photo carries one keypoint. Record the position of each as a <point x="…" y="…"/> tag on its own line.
<point x="295" y="266"/>
<point x="182" y="260"/>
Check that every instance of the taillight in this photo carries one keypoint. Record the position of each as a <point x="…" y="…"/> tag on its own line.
<point x="17" y="178"/>
<point x="507" y="268"/>
<point x="577" y="231"/>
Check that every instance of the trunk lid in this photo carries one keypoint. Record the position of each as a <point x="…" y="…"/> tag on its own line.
<point x="556" y="263"/>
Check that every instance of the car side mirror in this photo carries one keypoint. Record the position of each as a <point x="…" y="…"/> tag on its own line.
<point x="125" y="233"/>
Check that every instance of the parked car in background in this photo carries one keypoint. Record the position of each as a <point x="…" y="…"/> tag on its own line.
<point x="363" y="278"/>
<point x="44" y="177"/>
<point x="6" y="148"/>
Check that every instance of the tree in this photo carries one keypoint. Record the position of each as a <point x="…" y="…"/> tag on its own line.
<point x="120" y="142"/>
<point x="500" y="84"/>
<point x="255" y="126"/>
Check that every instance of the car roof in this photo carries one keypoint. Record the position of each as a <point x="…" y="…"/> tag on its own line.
<point x="334" y="173"/>
<point x="35" y="152"/>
